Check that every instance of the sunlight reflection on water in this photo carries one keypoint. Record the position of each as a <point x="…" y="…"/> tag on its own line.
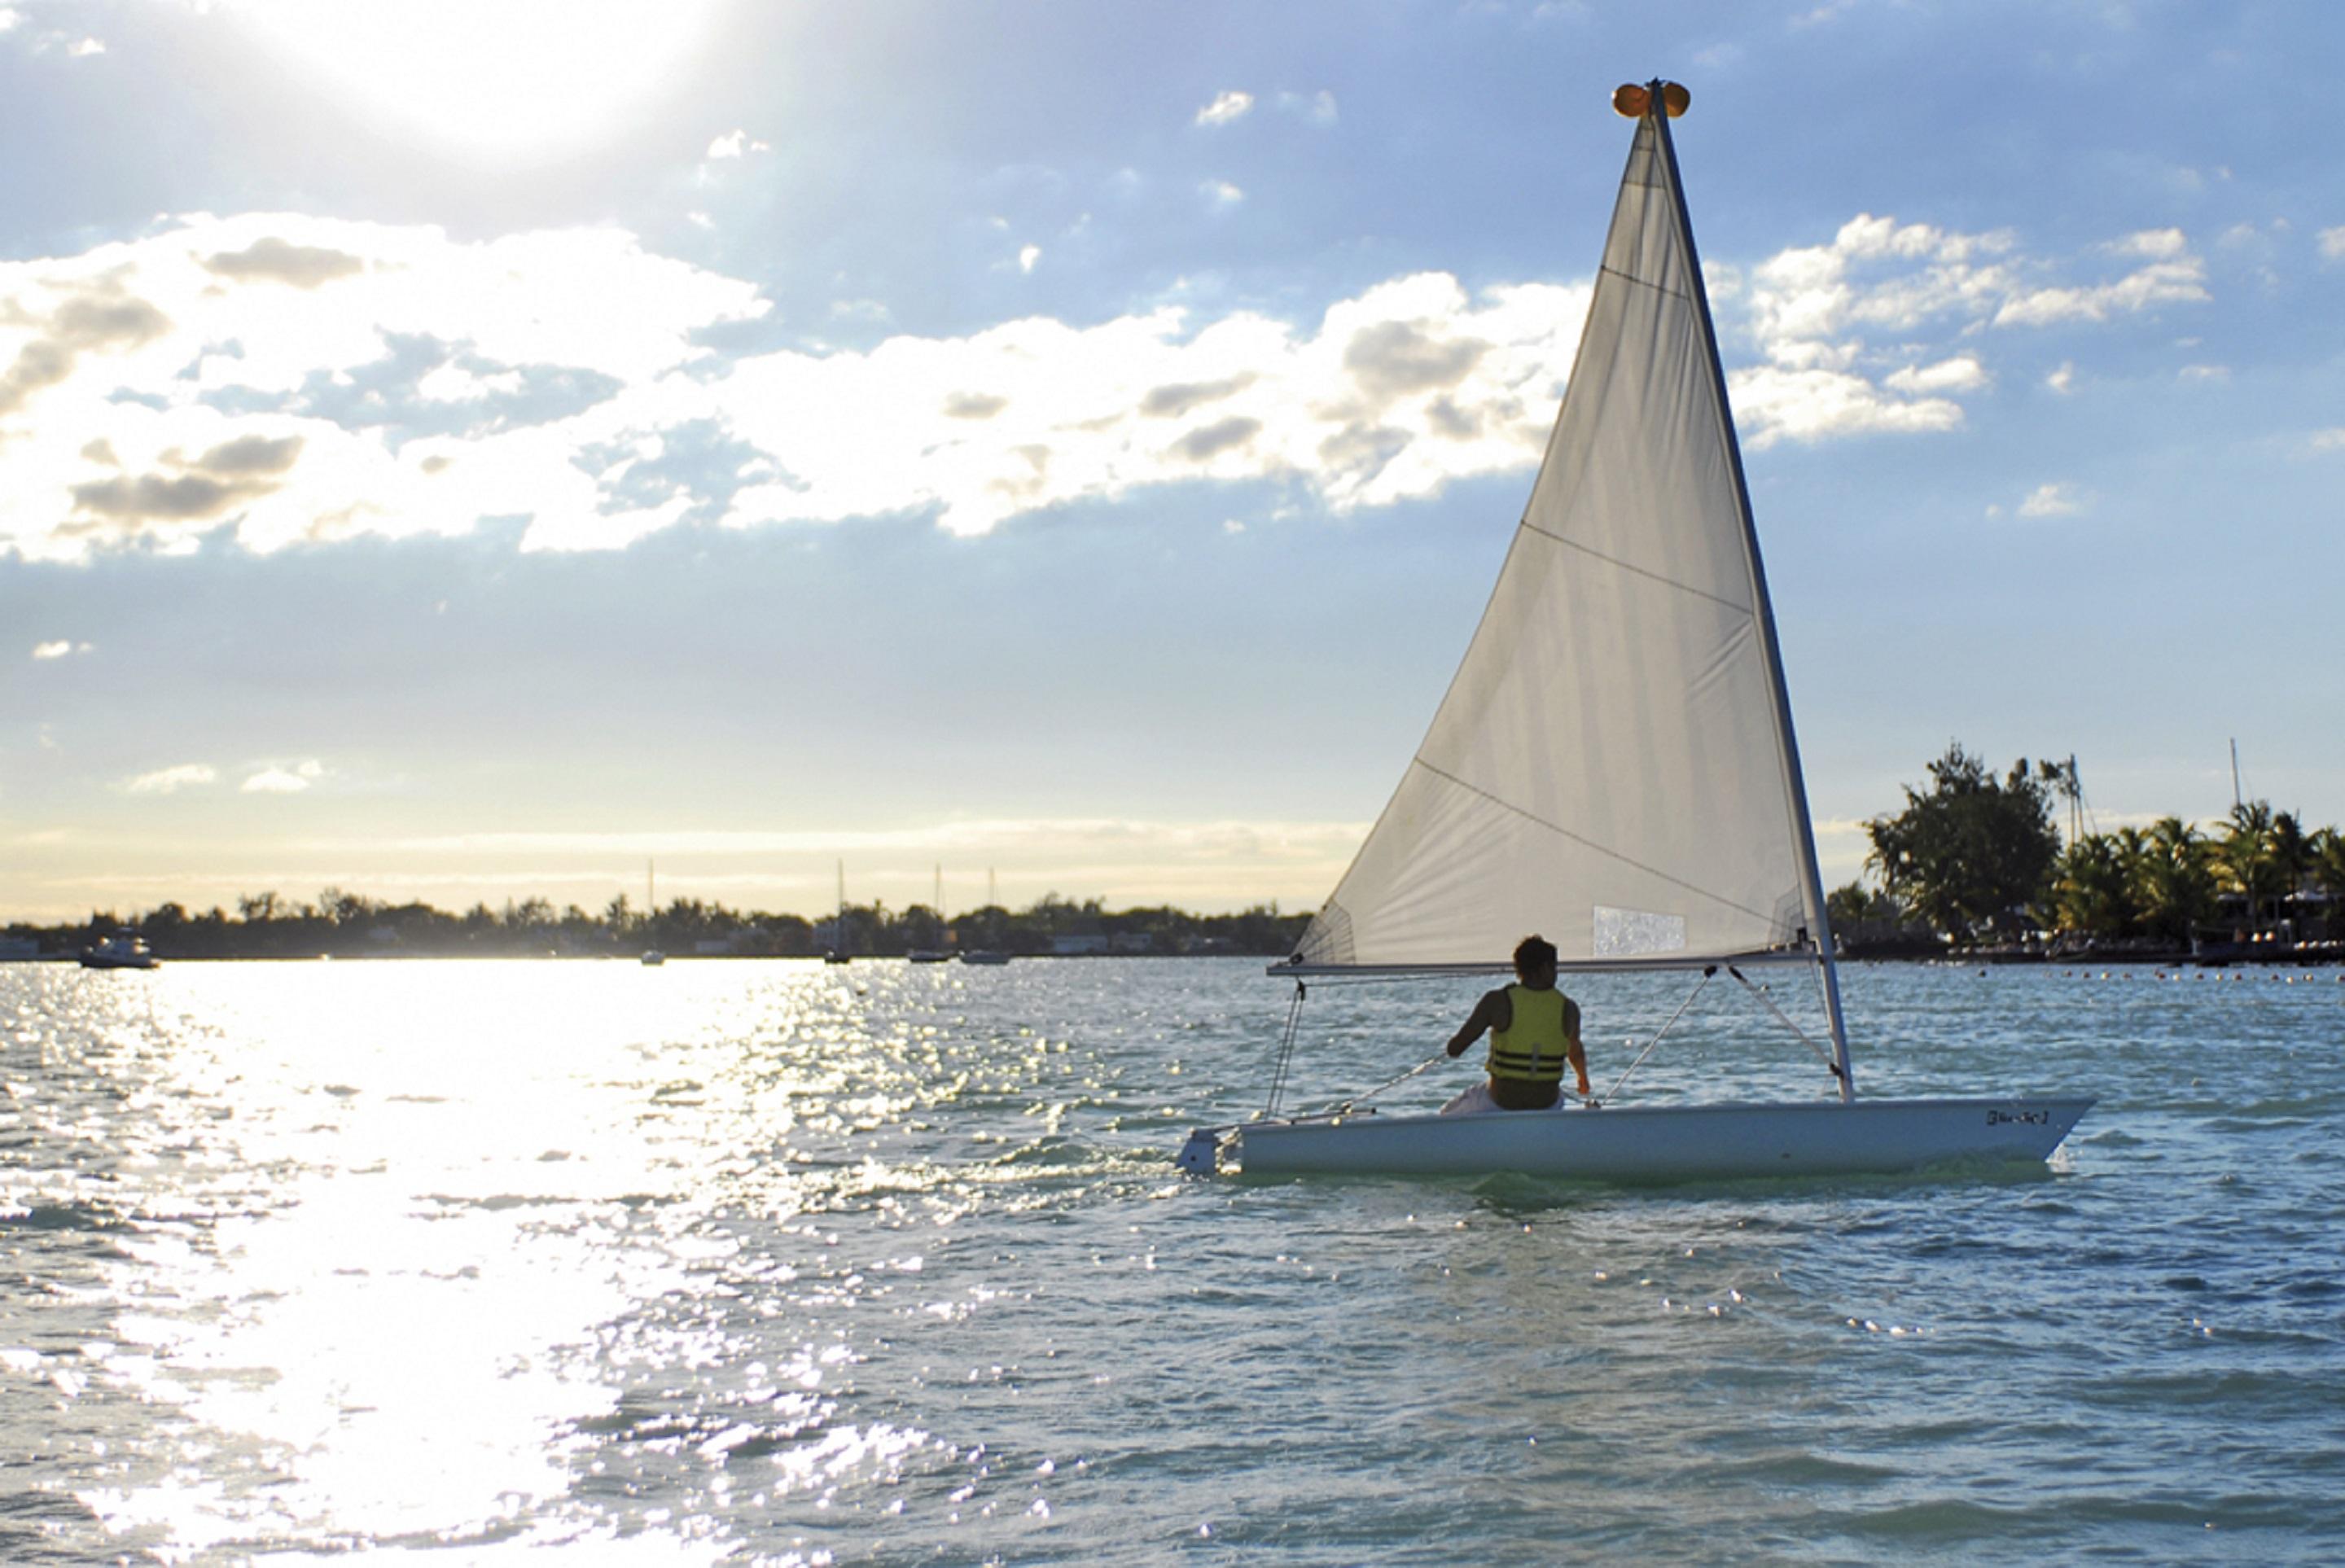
<point x="772" y="1262"/>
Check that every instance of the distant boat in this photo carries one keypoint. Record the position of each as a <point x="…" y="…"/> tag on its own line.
<point x="653" y="957"/>
<point x="984" y="955"/>
<point x="1614" y="767"/>
<point x="927" y="955"/>
<point x="123" y="950"/>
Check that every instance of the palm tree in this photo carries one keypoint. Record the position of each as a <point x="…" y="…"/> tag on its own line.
<point x="2244" y="856"/>
<point x="2089" y="892"/>
<point x="2329" y="865"/>
<point x="2175" y="882"/>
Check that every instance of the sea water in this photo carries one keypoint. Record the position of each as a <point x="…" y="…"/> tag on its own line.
<point x="779" y="1263"/>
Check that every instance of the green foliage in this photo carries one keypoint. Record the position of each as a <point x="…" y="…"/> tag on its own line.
<point x="1972" y="851"/>
<point x="346" y="925"/>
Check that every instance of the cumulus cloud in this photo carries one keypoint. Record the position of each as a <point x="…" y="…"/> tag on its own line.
<point x="376" y="355"/>
<point x="170" y="781"/>
<point x="735" y="144"/>
<point x="273" y="259"/>
<point x="2064" y="379"/>
<point x="60" y="649"/>
<point x="2057" y="498"/>
<point x="283" y="379"/>
<point x="1221" y="193"/>
<point x="1817" y="311"/>
<point x="1226" y="108"/>
<point x="1028" y="254"/>
<point x="2332" y="244"/>
<point x="282" y="780"/>
<point x="188" y="489"/>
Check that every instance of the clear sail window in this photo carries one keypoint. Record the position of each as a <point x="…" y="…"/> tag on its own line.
<point x="1635" y="933"/>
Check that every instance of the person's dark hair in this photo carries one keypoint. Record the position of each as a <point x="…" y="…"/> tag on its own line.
<point x="1534" y="952"/>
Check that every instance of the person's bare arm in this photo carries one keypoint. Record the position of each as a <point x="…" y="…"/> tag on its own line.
<point x="1577" y="1055"/>
<point x="1494" y="1011"/>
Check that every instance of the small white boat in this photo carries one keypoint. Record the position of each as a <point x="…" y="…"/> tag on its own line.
<point x="1614" y="767"/>
<point x="123" y="950"/>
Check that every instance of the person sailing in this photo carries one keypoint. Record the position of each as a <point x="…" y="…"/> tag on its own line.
<point x="1534" y="1029"/>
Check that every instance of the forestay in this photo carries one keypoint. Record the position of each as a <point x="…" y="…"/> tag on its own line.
<point x="1613" y="765"/>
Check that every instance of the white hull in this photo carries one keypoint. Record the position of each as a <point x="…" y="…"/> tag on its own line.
<point x="1670" y="1143"/>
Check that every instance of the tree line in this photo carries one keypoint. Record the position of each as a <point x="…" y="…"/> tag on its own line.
<point x="342" y="923"/>
<point x="1978" y="857"/>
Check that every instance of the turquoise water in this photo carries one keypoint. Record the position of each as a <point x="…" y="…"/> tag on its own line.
<point x="765" y="1262"/>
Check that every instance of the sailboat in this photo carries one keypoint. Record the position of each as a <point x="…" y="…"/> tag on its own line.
<point x="653" y="957"/>
<point x="1614" y="767"/>
<point x="837" y="953"/>
<point x="933" y="954"/>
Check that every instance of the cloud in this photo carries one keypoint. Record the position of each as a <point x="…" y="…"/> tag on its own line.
<point x="1221" y="193"/>
<point x="974" y="406"/>
<point x="1173" y="402"/>
<point x="1313" y="109"/>
<point x="2064" y="379"/>
<point x="275" y="260"/>
<point x="1774" y="404"/>
<point x="2204" y="373"/>
<point x="387" y="352"/>
<point x="277" y="379"/>
<point x="275" y="780"/>
<point x="1395" y="358"/>
<point x="1814" y="311"/>
<point x="1963" y="373"/>
<point x="94" y="317"/>
<point x="1028" y="254"/>
<point x="209" y="487"/>
<point x="87" y="47"/>
<point x="170" y="781"/>
<point x="2332" y="244"/>
<point x="1226" y="108"/>
<point x="735" y="144"/>
<point x="60" y="649"/>
<point x="2057" y="498"/>
<point x="2329" y="440"/>
<point x="1208" y="441"/>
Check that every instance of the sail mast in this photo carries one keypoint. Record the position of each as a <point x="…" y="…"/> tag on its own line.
<point x="1795" y="786"/>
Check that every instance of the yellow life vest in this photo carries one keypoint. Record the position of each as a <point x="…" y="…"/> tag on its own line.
<point x="1531" y="1047"/>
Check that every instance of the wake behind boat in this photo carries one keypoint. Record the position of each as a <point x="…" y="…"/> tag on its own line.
<point x="1614" y="766"/>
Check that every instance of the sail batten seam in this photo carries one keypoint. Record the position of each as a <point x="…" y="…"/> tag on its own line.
<point x="1586" y="843"/>
<point x="1531" y="527"/>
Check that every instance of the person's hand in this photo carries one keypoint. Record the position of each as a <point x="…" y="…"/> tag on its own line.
<point x="1454" y="1049"/>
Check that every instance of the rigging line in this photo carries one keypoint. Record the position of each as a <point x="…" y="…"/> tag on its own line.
<point x="1646" y="283"/>
<point x="1707" y="974"/>
<point x="1339" y="1106"/>
<point x="1742" y="610"/>
<point x="1285" y="1050"/>
<point x="1591" y="843"/>
<point x="1831" y="1065"/>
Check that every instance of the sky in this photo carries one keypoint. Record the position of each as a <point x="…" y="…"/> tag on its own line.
<point x="469" y="451"/>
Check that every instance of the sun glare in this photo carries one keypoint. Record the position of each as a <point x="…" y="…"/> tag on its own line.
<point x="518" y="79"/>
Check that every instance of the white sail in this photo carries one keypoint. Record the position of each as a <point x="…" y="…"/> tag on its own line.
<point x="1613" y="766"/>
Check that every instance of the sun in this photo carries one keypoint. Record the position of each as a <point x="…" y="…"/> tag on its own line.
<point x="502" y="80"/>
